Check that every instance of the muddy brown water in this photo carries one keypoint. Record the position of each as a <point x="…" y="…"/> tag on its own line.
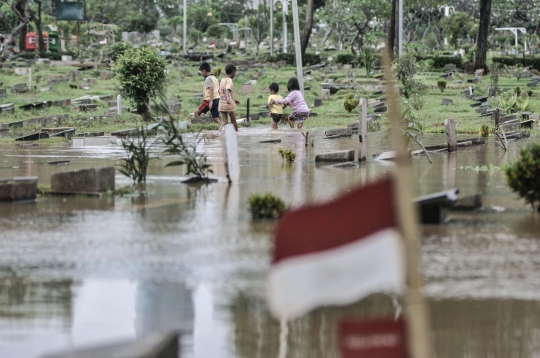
<point x="76" y="271"/>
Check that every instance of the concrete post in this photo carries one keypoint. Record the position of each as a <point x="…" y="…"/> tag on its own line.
<point x="450" y="126"/>
<point x="298" y="46"/>
<point x="362" y="129"/>
<point x="30" y="78"/>
<point x="119" y="104"/>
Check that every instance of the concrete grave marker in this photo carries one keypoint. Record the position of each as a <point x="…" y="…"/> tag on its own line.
<point x="85" y="181"/>
<point x="18" y="189"/>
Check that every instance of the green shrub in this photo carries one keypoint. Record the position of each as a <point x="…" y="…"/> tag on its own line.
<point x="217" y="71"/>
<point x="517" y="91"/>
<point x="514" y="61"/>
<point x="405" y="69"/>
<point x="484" y="130"/>
<point x="441" y="61"/>
<point x="346" y="58"/>
<point x="287" y="155"/>
<point x="442" y="84"/>
<point x="368" y="57"/>
<point x="266" y="206"/>
<point x="350" y="102"/>
<point x="290" y="59"/>
<point x="140" y="74"/>
<point x="522" y="176"/>
<point x="117" y="49"/>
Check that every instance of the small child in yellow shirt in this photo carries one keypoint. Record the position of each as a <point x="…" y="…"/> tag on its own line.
<point x="276" y="110"/>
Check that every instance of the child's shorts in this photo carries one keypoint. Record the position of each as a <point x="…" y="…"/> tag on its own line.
<point x="300" y="116"/>
<point x="215" y="104"/>
<point x="276" y="117"/>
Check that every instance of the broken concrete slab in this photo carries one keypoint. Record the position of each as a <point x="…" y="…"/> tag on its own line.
<point x="85" y="181"/>
<point x="18" y="189"/>
<point x="155" y="345"/>
<point x="434" y="207"/>
<point x="33" y="136"/>
<point x="338" y="156"/>
<point x="93" y="141"/>
<point x="341" y="132"/>
<point x="271" y="141"/>
<point x="345" y="165"/>
<point x="469" y="202"/>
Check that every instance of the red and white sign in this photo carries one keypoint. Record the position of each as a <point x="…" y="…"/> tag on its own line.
<point x="336" y="253"/>
<point x="381" y="338"/>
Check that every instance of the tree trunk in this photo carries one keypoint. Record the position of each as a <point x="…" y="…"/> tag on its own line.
<point x="482" y="41"/>
<point x="37" y="21"/>
<point x="353" y="42"/>
<point x="327" y="35"/>
<point x="22" y="34"/>
<point x="391" y="37"/>
<point x="308" y="24"/>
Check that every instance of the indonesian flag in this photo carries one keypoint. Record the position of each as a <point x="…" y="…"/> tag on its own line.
<point x="336" y="253"/>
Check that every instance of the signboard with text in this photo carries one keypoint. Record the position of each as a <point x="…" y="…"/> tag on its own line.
<point x="372" y="338"/>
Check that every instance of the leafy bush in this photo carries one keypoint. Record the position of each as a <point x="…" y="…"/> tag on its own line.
<point x="417" y="102"/>
<point x="517" y="91"/>
<point x="514" y="61"/>
<point x="367" y="58"/>
<point x="405" y="68"/>
<point x="522" y="176"/>
<point x="442" y="84"/>
<point x="141" y="75"/>
<point x="217" y="71"/>
<point x="290" y="58"/>
<point x="266" y="206"/>
<point x="287" y="155"/>
<point x="346" y="58"/>
<point x="117" y="49"/>
<point x="441" y="61"/>
<point x="514" y="104"/>
<point x="484" y="130"/>
<point x="350" y="102"/>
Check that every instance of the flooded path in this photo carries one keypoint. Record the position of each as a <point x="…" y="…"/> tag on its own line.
<point x="76" y="271"/>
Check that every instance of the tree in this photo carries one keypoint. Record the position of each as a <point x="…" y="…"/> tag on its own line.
<point x="15" y="15"/>
<point x="457" y="26"/>
<point x="308" y="24"/>
<point x="355" y="18"/>
<point x="482" y="40"/>
<point x="391" y="37"/>
<point x="140" y="73"/>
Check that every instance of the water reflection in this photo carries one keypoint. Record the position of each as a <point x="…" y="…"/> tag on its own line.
<point x="79" y="270"/>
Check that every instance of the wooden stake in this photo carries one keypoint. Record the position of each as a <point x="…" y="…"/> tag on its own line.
<point x="419" y="343"/>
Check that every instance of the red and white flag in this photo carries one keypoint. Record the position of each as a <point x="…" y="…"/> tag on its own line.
<point x="337" y="253"/>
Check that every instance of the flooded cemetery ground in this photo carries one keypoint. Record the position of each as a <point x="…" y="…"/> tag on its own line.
<point x="77" y="271"/>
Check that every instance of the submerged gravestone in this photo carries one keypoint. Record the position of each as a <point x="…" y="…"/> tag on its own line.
<point x="339" y="156"/>
<point x="18" y="189"/>
<point x="85" y="181"/>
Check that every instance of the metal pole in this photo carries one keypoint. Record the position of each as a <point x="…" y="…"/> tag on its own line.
<point x="400" y="28"/>
<point x="271" y="27"/>
<point x="298" y="46"/>
<point x="185" y="27"/>
<point x="285" y="13"/>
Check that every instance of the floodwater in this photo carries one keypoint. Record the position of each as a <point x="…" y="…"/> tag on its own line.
<point x="77" y="271"/>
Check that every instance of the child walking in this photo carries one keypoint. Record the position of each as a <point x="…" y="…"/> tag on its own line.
<point x="210" y="93"/>
<point x="295" y="99"/>
<point x="227" y="103"/>
<point x="276" y="110"/>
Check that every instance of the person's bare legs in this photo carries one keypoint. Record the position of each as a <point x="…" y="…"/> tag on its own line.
<point x="233" y="120"/>
<point x="223" y="120"/>
<point x="290" y="120"/>
<point x="197" y="113"/>
<point x="300" y="125"/>
<point x="273" y="124"/>
<point x="217" y="120"/>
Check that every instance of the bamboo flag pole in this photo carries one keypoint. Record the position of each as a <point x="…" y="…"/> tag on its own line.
<point x="416" y="311"/>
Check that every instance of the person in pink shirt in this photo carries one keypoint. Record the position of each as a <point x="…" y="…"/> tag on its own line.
<point x="295" y="99"/>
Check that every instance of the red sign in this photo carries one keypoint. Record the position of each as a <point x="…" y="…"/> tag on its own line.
<point x="377" y="338"/>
